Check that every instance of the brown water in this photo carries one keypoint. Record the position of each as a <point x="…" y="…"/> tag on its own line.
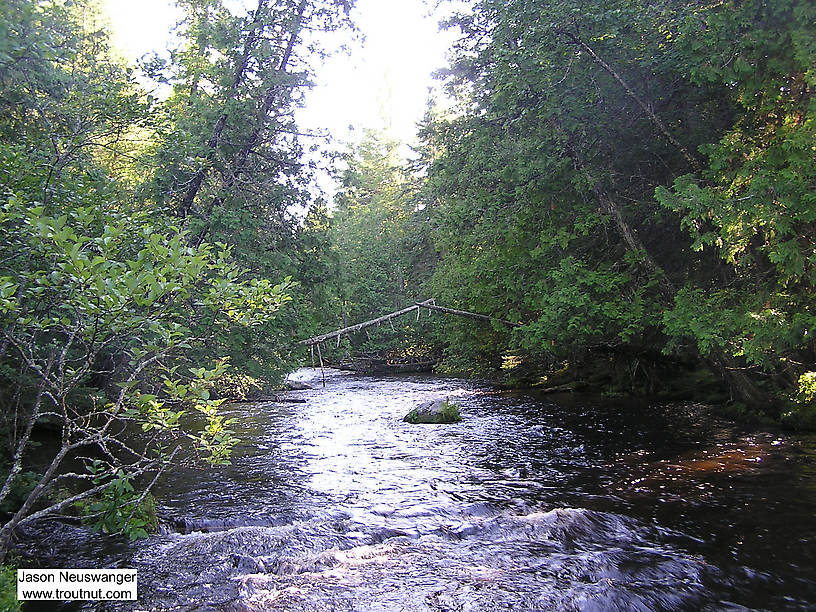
<point x="530" y="503"/>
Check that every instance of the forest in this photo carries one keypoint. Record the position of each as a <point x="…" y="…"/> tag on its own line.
<point x="630" y="184"/>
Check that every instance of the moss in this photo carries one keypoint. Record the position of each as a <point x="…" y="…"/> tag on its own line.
<point x="739" y="412"/>
<point x="412" y="417"/>
<point x="150" y="513"/>
<point x="449" y="413"/>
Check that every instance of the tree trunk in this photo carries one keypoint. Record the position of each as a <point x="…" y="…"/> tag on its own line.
<point x="186" y="204"/>
<point x="634" y="244"/>
<point x="364" y="325"/>
<point x="658" y="123"/>
<point x="465" y="313"/>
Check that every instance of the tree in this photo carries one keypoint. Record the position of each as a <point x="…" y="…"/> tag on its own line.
<point x="69" y="114"/>
<point x="571" y="117"/>
<point x="373" y="231"/>
<point x="106" y="289"/>
<point x="227" y="160"/>
<point x="753" y="206"/>
<point x="102" y="300"/>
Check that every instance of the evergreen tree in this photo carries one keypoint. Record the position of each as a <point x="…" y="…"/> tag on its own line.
<point x="554" y="182"/>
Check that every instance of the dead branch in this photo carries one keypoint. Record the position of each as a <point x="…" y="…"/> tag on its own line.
<point x="363" y="325"/>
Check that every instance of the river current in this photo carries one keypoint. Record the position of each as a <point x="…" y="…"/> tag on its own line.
<point x="530" y="503"/>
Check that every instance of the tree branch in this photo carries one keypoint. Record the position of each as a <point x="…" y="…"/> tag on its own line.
<point x="661" y="127"/>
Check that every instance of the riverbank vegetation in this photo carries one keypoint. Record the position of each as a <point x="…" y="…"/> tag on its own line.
<point x="149" y="243"/>
<point x="631" y="184"/>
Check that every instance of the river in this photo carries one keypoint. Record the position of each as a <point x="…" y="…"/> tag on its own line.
<point x="530" y="503"/>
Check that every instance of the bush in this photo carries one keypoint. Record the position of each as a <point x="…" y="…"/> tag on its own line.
<point x="21" y="487"/>
<point x="236" y="386"/>
<point x="8" y="589"/>
<point x="802" y="404"/>
<point x="120" y="508"/>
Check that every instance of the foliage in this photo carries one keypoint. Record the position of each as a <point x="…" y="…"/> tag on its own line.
<point x="802" y="412"/>
<point x="120" y="508"/>
<point x="8" y="589"/>
<point x="20" y="489"/>
<point x="630" y="177"/>
<point x="377" y="248"/>
<point x="237" y="386"/>
<point x="450" y="412"/>
<point x="227" y="160"/>
<point x="753" y="206"/>
<point x="110" y="300"/>
<point x="93" y="283"/>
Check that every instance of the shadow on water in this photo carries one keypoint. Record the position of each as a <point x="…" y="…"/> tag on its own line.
<point x="532" y="503"/>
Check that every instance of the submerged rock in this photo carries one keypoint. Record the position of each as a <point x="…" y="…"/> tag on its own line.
<point x="435" y="412"/>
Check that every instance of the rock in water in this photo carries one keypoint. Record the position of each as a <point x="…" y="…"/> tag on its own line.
<point x="437" y="411"/>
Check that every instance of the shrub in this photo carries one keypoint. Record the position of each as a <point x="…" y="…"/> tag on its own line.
<point x="21" y="487"/>
<point x="236" y="386"/>
<point x="8" y="589"/>
<point x="120" y="508"/>
<point x="802" y="404"/>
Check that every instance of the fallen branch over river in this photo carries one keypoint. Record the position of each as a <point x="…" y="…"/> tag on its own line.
<point x="465" y="313"/>
<point x="429" y="304"/>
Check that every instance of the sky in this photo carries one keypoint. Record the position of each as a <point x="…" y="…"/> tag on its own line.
<point x="382" y="84"/>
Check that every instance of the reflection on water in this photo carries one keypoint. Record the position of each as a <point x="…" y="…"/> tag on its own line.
<point x="528" y="503"/>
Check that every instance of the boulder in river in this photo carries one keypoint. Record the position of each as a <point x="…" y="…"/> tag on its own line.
<point x="436" y="411"/>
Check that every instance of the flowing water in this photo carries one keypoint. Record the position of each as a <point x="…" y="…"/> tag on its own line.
<point x="530" y="503"/>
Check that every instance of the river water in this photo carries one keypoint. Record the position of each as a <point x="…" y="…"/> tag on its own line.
<point x="530" y="503"/>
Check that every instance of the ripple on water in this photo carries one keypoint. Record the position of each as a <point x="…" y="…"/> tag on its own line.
<point x="561" y="559"/>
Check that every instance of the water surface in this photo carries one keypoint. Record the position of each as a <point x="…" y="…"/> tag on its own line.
<point x="531" y="502"/>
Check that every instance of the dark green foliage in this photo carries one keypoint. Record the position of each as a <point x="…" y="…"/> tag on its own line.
<point x="120" y="508"/>
<point x="754" y="204"/>
<point x="21" y="487"/>
<point x="226" y="159"/>
<point x="8" y="589"/>
<point x="632" y="178"/>
<point x="377" y="250"/>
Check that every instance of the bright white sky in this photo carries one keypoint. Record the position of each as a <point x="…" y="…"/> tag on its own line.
<point x="383" y="84"/>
